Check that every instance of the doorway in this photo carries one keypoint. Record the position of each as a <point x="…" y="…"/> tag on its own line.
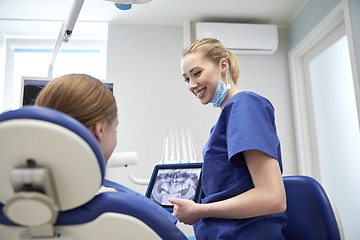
<point x="335" y="123"/>
<point x="326" y="117"/>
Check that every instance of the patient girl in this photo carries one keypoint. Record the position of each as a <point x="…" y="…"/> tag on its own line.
<point x="89" y="101"/>
<point x="92" y="103"/>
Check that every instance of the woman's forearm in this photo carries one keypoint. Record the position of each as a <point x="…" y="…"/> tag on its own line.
<point x="252" y="203"/>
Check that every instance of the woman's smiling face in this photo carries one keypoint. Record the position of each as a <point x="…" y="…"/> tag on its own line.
<point x="201" y="75"/>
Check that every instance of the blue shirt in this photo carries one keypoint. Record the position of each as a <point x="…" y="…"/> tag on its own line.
<point x="246" y="123"/>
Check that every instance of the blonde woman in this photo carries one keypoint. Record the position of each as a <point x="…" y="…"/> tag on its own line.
<point x="242" y="182"/>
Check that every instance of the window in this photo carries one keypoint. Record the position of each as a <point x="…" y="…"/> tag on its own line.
<point x="31" y="58"/>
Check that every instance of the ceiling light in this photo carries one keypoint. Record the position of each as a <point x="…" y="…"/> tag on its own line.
<point x="126" y="4"/>
<point x="129" y="1"/>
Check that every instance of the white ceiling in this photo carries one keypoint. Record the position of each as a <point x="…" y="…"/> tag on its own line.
<point x="167" y="12"/>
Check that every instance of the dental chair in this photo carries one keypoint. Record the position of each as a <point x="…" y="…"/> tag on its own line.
<point x="311" y="214"/>
<point x="51" y="168"/>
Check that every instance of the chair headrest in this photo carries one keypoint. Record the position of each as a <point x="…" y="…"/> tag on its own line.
<point x="54" y="140"/>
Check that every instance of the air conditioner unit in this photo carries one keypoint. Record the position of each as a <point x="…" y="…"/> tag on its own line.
<point x="249" y="39"/>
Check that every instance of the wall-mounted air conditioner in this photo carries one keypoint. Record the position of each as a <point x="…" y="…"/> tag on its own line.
<point x="254" y="39"/>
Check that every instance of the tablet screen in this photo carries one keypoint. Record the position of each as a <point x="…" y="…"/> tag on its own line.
<point x="175" y="181"/>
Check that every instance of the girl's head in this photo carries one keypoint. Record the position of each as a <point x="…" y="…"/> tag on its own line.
<point x="205" y="63"/>
<point x="89" y="101"/>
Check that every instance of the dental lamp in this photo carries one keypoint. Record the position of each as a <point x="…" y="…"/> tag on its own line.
<point x="65" y="32"/>
<point x="68" y="26"/>
<point x="72" y="19"/>
<point x="127" y="4"/>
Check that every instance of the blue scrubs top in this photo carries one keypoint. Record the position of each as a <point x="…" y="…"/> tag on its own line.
<point x="245" y="123"/>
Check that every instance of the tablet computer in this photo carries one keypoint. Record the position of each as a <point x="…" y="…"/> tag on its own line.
<point x="175" y="181"/>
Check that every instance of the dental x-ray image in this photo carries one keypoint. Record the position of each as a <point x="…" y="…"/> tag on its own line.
<point x="176" y="183"/>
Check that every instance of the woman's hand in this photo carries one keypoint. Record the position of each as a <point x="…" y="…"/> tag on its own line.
<point x="186" y="211"/>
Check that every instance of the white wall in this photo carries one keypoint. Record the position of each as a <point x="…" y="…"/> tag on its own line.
<point x="269" y="77"/>
<point x="2" y="62"/>
<point x="144" y="64"/>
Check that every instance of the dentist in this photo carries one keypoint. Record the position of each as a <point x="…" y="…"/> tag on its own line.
<point x="242" y="183"/>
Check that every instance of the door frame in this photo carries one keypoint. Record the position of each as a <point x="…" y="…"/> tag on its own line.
<point x="307" y="154"/>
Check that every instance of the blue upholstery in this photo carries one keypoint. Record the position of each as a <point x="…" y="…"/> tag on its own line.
<point x="149" y="204"/>
<point x="121" y="202"/>
<point x="116" y="202"/>
<point x="310" y="213"/>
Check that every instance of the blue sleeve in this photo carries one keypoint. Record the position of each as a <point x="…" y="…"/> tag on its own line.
<point x="251" y="126"/>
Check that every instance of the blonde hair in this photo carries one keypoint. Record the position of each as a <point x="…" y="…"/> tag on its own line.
<point x="81" y="96"/>
<point x="214" y="50"/>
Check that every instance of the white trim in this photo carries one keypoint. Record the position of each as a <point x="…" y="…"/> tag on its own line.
<point x="186" y="33"/>
<point x="336" y="33"/>
<point x="8" y="85"/>
<point x="307" y="154"/>
<point x="328" y="40"/>
<point x="353" y="59"/>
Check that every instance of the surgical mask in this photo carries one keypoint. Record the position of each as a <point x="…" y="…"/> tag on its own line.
<point x="221" y="91"/>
